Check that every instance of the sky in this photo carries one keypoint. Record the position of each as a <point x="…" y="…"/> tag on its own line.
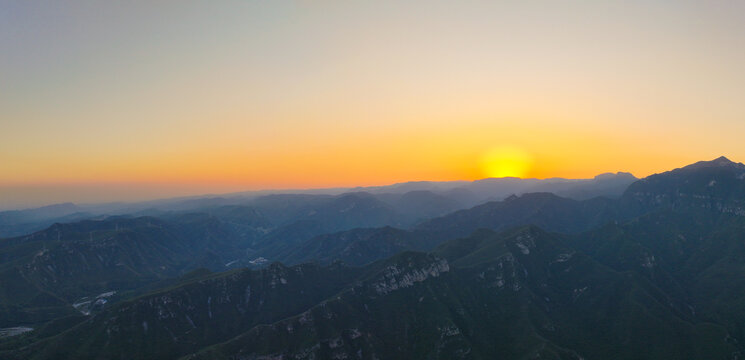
<point x="131" y="100"/>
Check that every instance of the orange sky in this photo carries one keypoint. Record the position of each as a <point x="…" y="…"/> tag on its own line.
<point x="158" y="100"/>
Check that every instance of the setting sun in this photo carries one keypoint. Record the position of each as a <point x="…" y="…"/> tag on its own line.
<point x="506" y="162"/>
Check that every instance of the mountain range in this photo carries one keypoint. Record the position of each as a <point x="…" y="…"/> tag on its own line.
<point x="534" y="270"/>
<point x="420" y="200"/>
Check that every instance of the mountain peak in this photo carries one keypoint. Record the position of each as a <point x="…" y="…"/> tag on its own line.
<point x="613" y="176"/>
<point x="722" y="161"/>
<point x="719" y="162"/>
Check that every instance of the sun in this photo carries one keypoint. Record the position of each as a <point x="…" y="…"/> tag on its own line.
<point x="506" y="161"/>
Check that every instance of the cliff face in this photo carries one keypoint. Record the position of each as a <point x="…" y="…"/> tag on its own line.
<point x="401" y="276"/>
<point x="204" y="311"/>
<point x="522" y="293"/>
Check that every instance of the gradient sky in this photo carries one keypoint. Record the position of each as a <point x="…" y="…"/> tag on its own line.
<point x="115" y="100"/>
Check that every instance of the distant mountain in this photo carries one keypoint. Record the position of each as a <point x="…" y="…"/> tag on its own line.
<point x="475" y="192"/>
<point x="546" y="210"/>
<point x="301" y="217"/>
<point x="608" y="185"/>
<point x="46" y="212"/>
<point x="357" y="247"/>
<point x="298" y="218"/>
<point x="364" y="245"/>
<point x="412" y="201"/>
<point x="421" y="204"/>
<point x="354" y="209"/>
<point x="21" y="222"/>
<point x="465" y="193"/>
